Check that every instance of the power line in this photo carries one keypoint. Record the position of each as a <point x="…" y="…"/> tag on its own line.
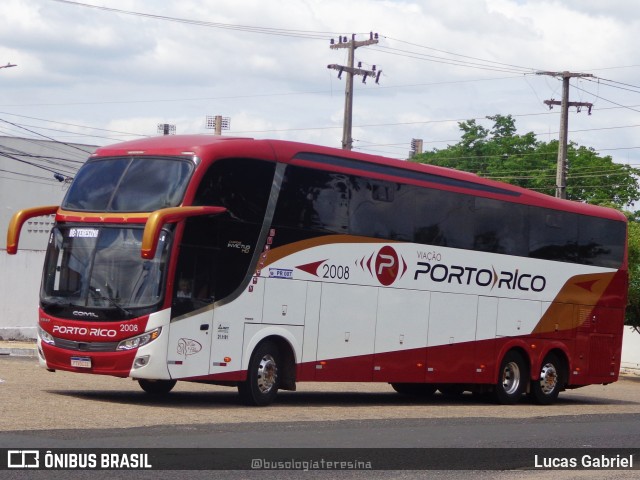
<point x="458" y="63"/>
<point x="516" y="67"/>
<point x="11" y="157"/>
<point x="44" y="136"/>
<point x="282" y="32"/>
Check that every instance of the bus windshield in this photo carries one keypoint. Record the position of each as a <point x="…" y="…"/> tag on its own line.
<point x="101" y="267"/>
<point x="128" y="184"/>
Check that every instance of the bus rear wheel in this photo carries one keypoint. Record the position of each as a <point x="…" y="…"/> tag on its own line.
<point x="512" y="380"/>
<point x="156" y="387"/>
<point x="545" y="390"/>
<point x="261" y="386"/>
<point x="415" y="389"/>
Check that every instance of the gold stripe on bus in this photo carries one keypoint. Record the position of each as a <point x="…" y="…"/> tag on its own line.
<point x="291" y="248"/>
<point x="584" y="290"/>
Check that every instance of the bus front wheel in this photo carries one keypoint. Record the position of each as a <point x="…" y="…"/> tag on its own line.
<point x="261" y="386"/>
<point x="512" y="380"/>
<point x="156" y="387"/>
<point x="545" y="390"/>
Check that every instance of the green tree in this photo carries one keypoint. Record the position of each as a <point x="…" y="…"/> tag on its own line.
<point x="500" y="153"/>
<point x="633" y="307"/>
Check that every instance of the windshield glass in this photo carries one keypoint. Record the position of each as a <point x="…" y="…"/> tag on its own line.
<point x="130" y="184"/>
<point x="101" y="267"/>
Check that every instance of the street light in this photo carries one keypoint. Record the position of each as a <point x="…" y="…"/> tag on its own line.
<point x="166" y="129"/>
<point x="217" y="123"/>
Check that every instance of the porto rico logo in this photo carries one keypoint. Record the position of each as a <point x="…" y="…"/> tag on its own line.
<point x="386" y="265"/>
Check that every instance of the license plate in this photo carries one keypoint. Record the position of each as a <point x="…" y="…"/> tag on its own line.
<point x="81" y="362"/>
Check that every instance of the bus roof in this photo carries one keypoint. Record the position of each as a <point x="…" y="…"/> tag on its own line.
<point x="210" y="148"/>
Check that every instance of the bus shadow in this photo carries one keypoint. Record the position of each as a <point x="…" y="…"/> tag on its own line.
<point x="305" y="400"/>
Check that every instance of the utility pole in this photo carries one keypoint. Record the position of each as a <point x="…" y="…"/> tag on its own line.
<point x="561" y="168"/>
<point x="347" y="140"/>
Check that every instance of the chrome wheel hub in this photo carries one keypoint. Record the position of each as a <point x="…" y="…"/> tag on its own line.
<point x="511" y="378"/>
<point x="548" y="378"/>
<point x="267" y="374"/>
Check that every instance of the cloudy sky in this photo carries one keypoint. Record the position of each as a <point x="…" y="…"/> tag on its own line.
<point x="102" y="75"/>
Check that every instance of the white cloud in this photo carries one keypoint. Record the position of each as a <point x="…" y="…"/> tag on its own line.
<point x="127" y="73"/>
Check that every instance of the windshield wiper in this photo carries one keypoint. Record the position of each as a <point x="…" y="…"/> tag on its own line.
<point x="119" y="307"/>
<point x="97" y="295"/>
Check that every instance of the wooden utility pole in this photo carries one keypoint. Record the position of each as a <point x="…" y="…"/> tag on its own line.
<point x="561" y="168"/>
<point x="347" y="140"/>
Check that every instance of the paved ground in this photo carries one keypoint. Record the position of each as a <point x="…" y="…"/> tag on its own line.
<point x="80" y="401"/>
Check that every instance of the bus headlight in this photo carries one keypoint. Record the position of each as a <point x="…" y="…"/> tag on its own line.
<point x="45" y="337"/>
<point x="140" y="340"/>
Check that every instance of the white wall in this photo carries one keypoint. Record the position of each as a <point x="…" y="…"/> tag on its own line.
<point x="19" y="293"/>
<point x="631" y="351"/>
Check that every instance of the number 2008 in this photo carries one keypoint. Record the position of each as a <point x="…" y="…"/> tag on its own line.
<point x="335" y="271"/>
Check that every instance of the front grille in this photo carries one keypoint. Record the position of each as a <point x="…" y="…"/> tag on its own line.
<point x="85" y="346"/>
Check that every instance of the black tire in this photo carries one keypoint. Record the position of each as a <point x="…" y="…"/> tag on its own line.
<point x="156" y="387"/>
<point x="415" y="389"/>
<point x="513" y="378"/>
<point x="261" y="386"/>
<point x="545" y="390"/>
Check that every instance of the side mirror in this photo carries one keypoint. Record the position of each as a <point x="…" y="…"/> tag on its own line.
<point x="159" y="218"/>
<point x="17" y="221"/>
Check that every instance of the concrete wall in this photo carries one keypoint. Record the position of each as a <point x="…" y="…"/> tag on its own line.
<point x="631" y="351"/>
<point x="19" y="293"/>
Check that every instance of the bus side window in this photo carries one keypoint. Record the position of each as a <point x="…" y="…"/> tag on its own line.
<point x="444" y="218"/>
<point x="313" y="200"/>
<point x="500" y="227"/>
<point x="553" y="235"/>
<point x="381" y="209"/>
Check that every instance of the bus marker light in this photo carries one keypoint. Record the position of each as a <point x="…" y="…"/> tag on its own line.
<point x="227" y="359"/>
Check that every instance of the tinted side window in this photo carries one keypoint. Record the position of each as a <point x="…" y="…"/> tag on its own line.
<point x="601" y="241"/>
<point x="314" y="200"/>
<point x="381" y="209"/>
<point x="444" y="218"/>
<point x="553" y="235"/>
<point x="239" y="184"/>
<point x="500" y="227"/>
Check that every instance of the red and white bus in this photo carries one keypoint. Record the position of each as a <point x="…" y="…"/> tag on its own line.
<point x="260" y="264"/>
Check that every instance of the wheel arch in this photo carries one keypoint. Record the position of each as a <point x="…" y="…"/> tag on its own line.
<point x="519" y="346"/>
<point x="288" y="346"/>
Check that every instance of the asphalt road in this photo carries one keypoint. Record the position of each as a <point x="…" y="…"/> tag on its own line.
<point x="63" y="410"/>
